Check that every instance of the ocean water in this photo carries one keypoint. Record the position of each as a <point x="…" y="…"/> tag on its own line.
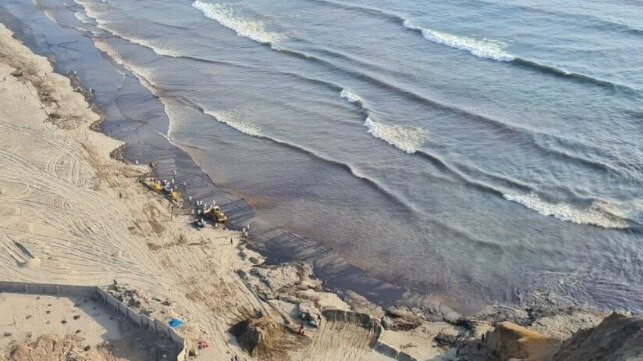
<point x="471" y="152"/>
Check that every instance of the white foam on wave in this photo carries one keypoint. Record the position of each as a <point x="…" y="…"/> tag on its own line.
<point x="50" y="15"/>
<point x="157" y="46"/>
<point x="357" y="173"/>
<point x="146" y="77"/>
<point x="405" y="139"/>
<point x="482" y="48"/>
<point x="236" y="121"/>
<point x="82" y="18"/>
<point x="350" y="96"/>
<point x="598" y="214"/>
<point x="225" y="15"/>
<point x="110" y="51"/>
<point x="93" y="10"/>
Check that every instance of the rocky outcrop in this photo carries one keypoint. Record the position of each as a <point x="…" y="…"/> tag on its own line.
<point x="272" y="281"/>
<point x="400" y="319"/>
<point x="510" y="341"/>
<point x="617" y="338"/>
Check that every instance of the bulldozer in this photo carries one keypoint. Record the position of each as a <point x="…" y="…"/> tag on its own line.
<point x="163" y="187"/>
<point x="215" y="214"/>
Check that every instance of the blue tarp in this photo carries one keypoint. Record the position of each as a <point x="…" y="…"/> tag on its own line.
<point x="175" y="322"/>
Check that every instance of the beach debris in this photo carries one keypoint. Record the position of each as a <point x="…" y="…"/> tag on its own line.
<point x="445" y="339"/>
<point x="308" y="313"/>
<point x="175" y="322"/>
<point x="400" y="319"/>
<point x="203" y="344"/>
<point x="23" y="256"/>
<point x="262" y="337"/>
<point x="131" y="297"/>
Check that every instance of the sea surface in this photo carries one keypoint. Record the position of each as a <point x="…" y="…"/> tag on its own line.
<point x="472" y="152"/>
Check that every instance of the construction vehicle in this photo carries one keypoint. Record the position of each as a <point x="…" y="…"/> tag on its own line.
<point x="199" y="223"/>
<point x="162" y="186"/>
<point x="215" y="214"/>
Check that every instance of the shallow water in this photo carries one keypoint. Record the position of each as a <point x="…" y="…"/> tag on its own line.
<point x="473" y="151"/>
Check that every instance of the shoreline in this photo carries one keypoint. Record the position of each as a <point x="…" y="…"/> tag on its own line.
<point x="150" y="144"/>
<point x="137" y="236"/>
<point x="277" y="245"/>
<point x="133" y="238"/>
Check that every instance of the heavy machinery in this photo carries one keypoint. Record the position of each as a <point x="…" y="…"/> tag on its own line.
<point x="199" y="223"/>
<point x="215" y="214"/>
<point x="162" y="186"/>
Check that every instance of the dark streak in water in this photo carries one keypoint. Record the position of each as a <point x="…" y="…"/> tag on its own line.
<point x="371" y="183"/>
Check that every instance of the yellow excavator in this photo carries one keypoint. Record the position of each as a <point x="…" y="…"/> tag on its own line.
<point x="163" y="187"/>
<point x="215" y="214"/>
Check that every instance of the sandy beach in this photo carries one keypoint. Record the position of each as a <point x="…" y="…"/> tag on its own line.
<point x="71" y="214"/>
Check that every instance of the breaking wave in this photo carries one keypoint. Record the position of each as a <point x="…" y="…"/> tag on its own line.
<point x="235" y="121"/>
<point x="93" y="10"/>
<point x="495" y="50"/>
<point x="242" y="125"/>
<point x="599" y="214"/>
<point x="482" y="48"/>
<point x="225" y="15"/>
<point x="406" y="139"/>
<point x="82" y="18"/>
<point x="350" y="96"/>
<point x="93" y="13"/>
<point x="403" y="138"/>
<point x="155" y="45"/>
